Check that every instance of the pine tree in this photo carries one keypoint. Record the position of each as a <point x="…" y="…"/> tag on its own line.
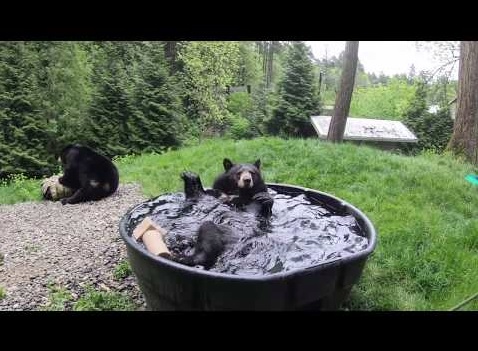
<point x="106" y="125"/>
<point x="157" y="122"/>
<point x="298" y="98"/>
<point x="63" y="89"/>
<point x="432" y="130"/>
<point x="259" y="111"/>
<point x="418" y="105"/>
<point x="25" y="132"/>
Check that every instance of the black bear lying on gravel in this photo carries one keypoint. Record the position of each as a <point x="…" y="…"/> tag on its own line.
<point x="91" y="175"/>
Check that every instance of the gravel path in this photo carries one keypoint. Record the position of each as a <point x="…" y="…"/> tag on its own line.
<point x="71" y="246"/>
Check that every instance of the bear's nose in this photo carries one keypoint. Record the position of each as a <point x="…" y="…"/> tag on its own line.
<point x="247" y="180"/>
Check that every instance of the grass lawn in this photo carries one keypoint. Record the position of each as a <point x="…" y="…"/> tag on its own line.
<point x="425" y="213"/>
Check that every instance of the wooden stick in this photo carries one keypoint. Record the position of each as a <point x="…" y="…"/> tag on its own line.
<point x="145" y="225"/>
<point x="153" y="240"/>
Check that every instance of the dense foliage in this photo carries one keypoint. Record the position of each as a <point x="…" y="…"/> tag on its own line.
<point x="134" y="97"/>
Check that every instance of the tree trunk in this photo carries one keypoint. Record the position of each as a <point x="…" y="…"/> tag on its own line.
<point x="264" y="58"/>
<point x="170" y="52"/>
<point x="270" y="62"/>
<point x="465" y="132"/>
<point x="270" y="54"/>
<point x="260" y="47"/>
<point x="344" y="95"/>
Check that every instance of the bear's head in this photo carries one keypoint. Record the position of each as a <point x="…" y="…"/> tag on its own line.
<point x="68" y="152"/>
<point x="244" y="175"/>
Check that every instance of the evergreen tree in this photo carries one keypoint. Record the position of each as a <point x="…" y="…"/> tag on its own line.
<point x="418" y="105"/>
<point x="64" y="88"/>
<point x="123" y="97"/>
<point x="157" y="122"/>
<point x="432" y="130"/>
<point x="106" y="125"/>
<point x="25" y="132"/>
<point x="298" y="98"/>
<point x="249" y="65"/>
<point x="260" y="110"/>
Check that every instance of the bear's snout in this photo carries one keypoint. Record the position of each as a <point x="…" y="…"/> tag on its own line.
<point x="245" y="180"/>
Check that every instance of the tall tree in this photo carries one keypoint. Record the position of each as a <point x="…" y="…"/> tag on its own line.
<point x="120" y="97"/>
<point x="344" y="95"/>
<point x="111" y="106"/>
<point x="298" y="94"/>
<point x="249" y="65"/>
<point x="465" y="132"/>
<point x="156" y="122"/>
<point x="25" y="132"/>
<point x="208" y="68"/>
<point x="171" y="49"/>
<point x="63" y="88"/>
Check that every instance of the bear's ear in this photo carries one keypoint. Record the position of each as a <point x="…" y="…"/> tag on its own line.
<point x="258" y="164"/>
<point x="227" y="164"/>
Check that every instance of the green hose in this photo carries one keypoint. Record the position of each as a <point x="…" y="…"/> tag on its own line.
<point x="464" y="302"/>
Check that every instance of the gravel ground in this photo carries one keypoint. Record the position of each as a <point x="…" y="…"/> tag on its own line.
<point x="45" y="243"/>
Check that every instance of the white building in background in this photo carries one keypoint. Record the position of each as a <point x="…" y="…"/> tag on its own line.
<point x="385" y="134"/>
<point x="452" y="105"/>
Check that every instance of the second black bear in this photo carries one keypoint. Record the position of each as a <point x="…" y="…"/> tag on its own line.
<point x="92" y="175"/>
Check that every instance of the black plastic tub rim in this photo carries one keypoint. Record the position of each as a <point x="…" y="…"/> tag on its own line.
<point x="372" y="241"/>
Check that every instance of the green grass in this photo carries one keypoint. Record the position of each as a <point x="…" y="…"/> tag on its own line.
<point x="425" y="213"/>
<point x="95" y="300"/>
<point x="60" y="299"/>
<point x="471" y="306"/>
<point x="2" y="293"/>
<point x="122" y="270"/>
<point x="19" y="189"/>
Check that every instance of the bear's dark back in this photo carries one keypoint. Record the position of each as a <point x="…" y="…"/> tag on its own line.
<point x="100" y="165"/>
<point x="105" y="167"/>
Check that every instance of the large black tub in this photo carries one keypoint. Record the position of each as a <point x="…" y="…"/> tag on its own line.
<point x="168" y="285"/>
